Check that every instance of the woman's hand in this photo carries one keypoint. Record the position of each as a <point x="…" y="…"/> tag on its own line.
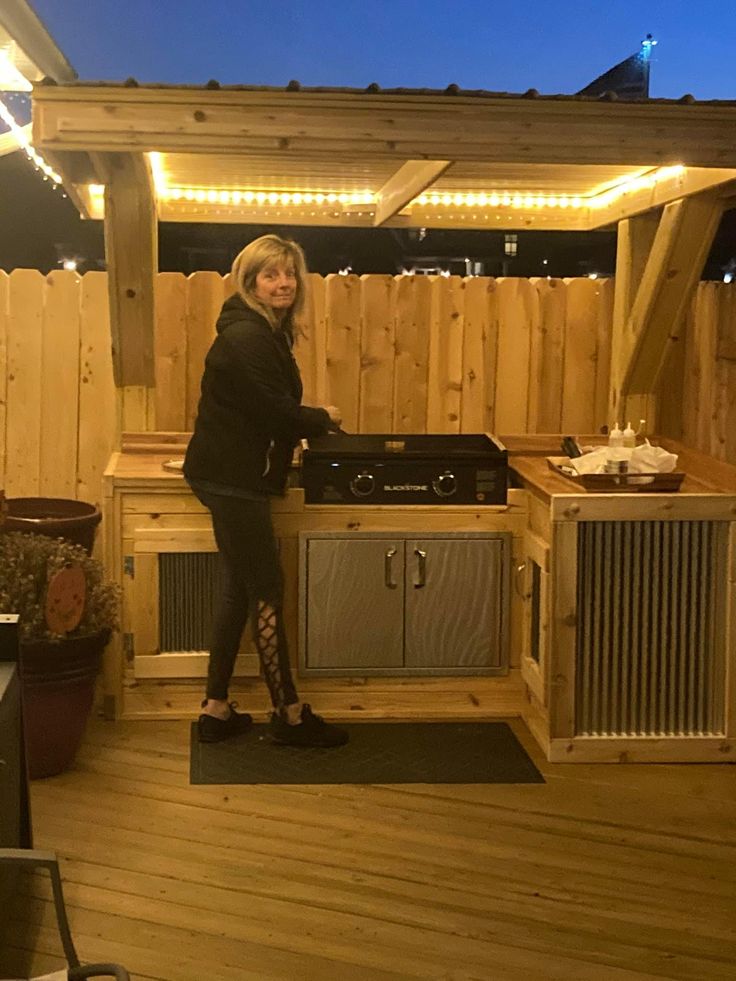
<point x="335" y="415"/>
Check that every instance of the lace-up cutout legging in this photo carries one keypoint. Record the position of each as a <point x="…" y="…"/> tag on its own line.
<point x="252" y="586"/>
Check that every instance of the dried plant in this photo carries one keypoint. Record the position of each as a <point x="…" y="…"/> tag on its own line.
<point x="27" y="563"/>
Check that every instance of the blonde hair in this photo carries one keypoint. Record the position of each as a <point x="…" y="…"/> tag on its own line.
<point x="260" y="253"/>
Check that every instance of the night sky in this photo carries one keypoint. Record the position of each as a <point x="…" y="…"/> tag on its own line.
<point x="512" y="46"/>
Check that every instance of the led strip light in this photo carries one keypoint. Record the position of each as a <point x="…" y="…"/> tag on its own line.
<point x="496" y="200"/>
<point x="491" y="199"/>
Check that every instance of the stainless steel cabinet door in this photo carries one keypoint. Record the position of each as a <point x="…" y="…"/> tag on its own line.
<point x="454" y="592"/>
<point x="355" y="603"/>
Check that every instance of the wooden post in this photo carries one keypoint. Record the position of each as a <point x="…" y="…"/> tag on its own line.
<point x="131" y="248"/>
<point x="633" y="245"/>
<point x="564" y="574"/>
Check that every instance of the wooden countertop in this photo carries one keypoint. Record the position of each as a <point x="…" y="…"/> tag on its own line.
<point x="703" y="474"/>
<point x="708" y="492"/>
<point x="706" y="478"/>
<point x="144" y="472"/>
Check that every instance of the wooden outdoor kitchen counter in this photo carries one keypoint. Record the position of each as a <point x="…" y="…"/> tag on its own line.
<point x="150" y="513"/>
<point x="676" y="549"/>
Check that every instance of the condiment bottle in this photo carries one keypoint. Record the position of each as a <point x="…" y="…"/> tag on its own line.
<point x="629" y="437"/>
<point x="617" y="457"/>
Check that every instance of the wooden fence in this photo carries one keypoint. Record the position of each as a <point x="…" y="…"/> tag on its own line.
<point x="396" y="354"/>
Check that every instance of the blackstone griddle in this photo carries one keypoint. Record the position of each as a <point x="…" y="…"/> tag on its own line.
<point x="345" y="468"/>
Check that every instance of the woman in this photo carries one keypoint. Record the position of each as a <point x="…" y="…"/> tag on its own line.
<point x="249" y="420"/>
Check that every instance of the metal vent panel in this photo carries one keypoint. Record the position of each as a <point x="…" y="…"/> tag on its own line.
<point x="650" y="652"/>
<point x="187" y="585"/>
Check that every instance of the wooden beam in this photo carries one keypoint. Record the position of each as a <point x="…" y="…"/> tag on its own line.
<point x="74" y="169"/>
<point x="634" y="242"/>
<point x="131" y="248"/>
<point x="348" y="125"/>
<point x="691" y="181"/>
<point x="644" y="331"/>
<point x="409" y="181"/>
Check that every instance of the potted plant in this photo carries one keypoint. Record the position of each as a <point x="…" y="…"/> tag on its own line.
<point x="67" y="611"/>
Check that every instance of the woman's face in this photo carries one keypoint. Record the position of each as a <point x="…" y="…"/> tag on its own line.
<point x="276" y="285"/>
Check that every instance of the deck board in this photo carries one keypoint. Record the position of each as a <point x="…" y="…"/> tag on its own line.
<point x="604" y="872"/>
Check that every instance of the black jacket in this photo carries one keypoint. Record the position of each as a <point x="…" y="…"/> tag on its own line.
<point x="250" y="416"/>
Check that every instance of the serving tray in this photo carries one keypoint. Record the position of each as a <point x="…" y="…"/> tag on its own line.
<point x="619" y="483"/>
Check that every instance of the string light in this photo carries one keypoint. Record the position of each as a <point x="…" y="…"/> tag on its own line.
<point x="21" y="138"/>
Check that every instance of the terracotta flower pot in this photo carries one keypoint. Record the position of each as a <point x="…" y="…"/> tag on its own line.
<point x="56" y="517"/>
<point x="57" y="690"/>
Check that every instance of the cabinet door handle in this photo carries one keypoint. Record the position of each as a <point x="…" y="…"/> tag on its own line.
<point x="387" y="568"/>
<point x="421" y="568"/>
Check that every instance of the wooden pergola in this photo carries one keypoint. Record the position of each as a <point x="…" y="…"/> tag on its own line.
<point x="662" y="171"/>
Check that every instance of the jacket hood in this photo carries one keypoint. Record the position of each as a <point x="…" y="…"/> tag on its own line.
<point x="235" y="310"/>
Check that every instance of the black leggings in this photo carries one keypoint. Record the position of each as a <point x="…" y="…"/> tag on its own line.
<point x="252" y="585"/>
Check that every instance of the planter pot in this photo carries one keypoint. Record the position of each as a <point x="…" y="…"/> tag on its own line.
<point x="57" y="687"/>
<point x="56" y="517"/>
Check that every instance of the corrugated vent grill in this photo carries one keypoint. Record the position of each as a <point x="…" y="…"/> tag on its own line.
<point x="187" y="584"/>
<point x="650" y="640"/>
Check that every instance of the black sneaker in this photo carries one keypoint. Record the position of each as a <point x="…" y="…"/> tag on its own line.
<point x="212" y="730"/>
<point x="311" y="731"/>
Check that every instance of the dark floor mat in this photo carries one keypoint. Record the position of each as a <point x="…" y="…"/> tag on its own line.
<point x="406" y="752"/>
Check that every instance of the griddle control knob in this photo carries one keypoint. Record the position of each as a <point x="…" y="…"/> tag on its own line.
<point x="445" y="485"/>
<point x="363" y="485"/>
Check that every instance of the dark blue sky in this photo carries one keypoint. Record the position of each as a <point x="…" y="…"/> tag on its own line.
<point x="509" y="46"/>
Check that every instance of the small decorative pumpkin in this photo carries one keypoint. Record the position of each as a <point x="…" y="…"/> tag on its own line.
<point x="65" y="598"/>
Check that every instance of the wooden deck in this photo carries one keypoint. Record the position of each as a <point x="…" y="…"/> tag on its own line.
<point x="604" y="872"/>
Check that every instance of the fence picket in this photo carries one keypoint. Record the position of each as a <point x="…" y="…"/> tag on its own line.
<point x="4" y="311"/>
<point x="413" y="311"/>
<point x="98" y="403"/>
<point x="377" y="343"/>
<point x="475" y="364"/>
<point x="546" y="357"/>
<point x="518" y="315"/>
<point x="581" y="351"/>
<point x="25" y="350"/>
<point x="342" y="316"/>
<point x="170" y="348"/>
<point x="60" y="386"/>
<point x="445" y="377"/>
<point x="205" y="294"/>
<point x="604" y="326"/>
<point x="309" y="343"/>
